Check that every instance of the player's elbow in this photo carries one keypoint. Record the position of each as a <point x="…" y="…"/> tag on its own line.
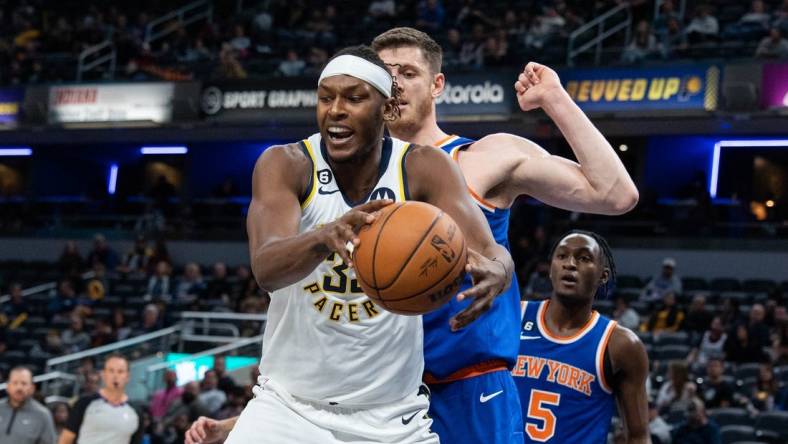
<point x="623" y="200"/>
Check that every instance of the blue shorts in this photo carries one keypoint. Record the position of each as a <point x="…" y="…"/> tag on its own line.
<point x="482" y="409"/>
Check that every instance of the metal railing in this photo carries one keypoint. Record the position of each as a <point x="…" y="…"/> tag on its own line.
<point x="96" y="56"/>
<point x="42" y="288"/>
<point x="205" y="324"/>
<point x="184" y="16"/>
<point x="602" y="33"/>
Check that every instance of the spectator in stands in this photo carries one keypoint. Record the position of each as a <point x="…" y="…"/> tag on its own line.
<point x="711" y="344"/>
<point x="715" y="390"/>
<point x="496" y="49"/>
<point x="667" y="12"/>
<point x="644" y="45"/>
<point x="698" y="318"/>
<point x="539" y="285"/>
<point x="236" y="400"/>
<point x="625" y="315"/>
<point x="731" y="313"/>
<point x="665" y="282"/>
<point x="34" y="425"/>
<point x="229" y="67"/>
<point x="657" y="426"/>
<point x="781" y="16"/>
<point x="150" y="320"/>
<point x="293" y="65"/>
<point x="226" y="383"/>
<point x="52" y="343"/>
<point x="698" y="428"/>
<point x="472" y="51"/>
<point x="677" y="388"/>
<point x="60" y="412"/>
<point x="70" y="262"/>
<point x="160" y="286"/>
<point x="112" y="419"/>
<point x="190" y="285"/>
<point x="136" y="260"/>
<point x="740" y="348"/>
<point x="763" y="395"/>
<point x="757" y="15"/>
<point x="16" y="311"/>
<point x="102" y="252"/>
<point x="703" y="27"/>
<point x="86" y="367"/>
<point x="759" y="331"/>
<point x="452" y="49"/>
<point x="544" y="27"/>
<point x="430" y="15"/>
<point x="91" y="384"/>
<point x="240" y="42"/>
<point x="162" y="400"/>
<point x="780" y="338"/>
<point x="119" y="327"/>
<point x="189" y="404"/>
<point x="74" y="338"/>
<point x="64" y="300"/>
<point x="102" y="333"/>
<point x="219" y="288"/>
<point x="668" y="318"/>
<point x="382" y="10"/>
<point x="210" y="396"/>
<point x="773" y="46"/>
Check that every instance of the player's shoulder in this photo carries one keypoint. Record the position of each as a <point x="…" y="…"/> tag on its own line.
<point x="502" y="144"/>
<point x="287" y="154"/>
<point x="625" y="345"/>
<point x="420" y="155"/>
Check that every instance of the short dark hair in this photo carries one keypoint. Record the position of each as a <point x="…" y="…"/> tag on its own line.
<point x="116" y="355"/>
<point x="20" y="368"/>
<point x="607" y="258"/>
<point x="404" y="36"/>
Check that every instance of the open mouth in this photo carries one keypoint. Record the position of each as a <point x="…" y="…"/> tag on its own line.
<point x="569" y="279"/>
<point x="339" y="134"/>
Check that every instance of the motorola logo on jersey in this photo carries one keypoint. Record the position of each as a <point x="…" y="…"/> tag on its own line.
<point x="324" y="176"/>
<point x="382" y="193"/>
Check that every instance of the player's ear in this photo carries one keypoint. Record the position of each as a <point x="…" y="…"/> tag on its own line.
<point x="391" y="109"/>
<point x="438" y="83"/>
<point x="605" y="276"/>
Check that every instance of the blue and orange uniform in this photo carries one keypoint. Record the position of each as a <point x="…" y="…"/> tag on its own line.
<point x="474" y="398"/>
<point x="564" y="391"/>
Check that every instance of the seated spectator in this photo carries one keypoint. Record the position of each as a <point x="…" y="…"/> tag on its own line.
<point x="119" y="327"/>
<point x="60" y="412"/>
<point x="625" y="315"/>
<point x="63" y="301"/>
<point x="160" y="285"/>
<point x="240" y="41"/>
<point x="677" y="388"/>
<point x="452" y="48"/>
<point x="91" y="384"/>
<point x="74" y="338"/>
<point x="430" y="15"/>
<point x="698" y="318"/>
<point x="102" y="333"/>
<point x="14" y="313"/>
<point x="292" y="65"/>
<point x="668" y="318"/>
<point x="472" y="51"/>
<point x="715" y="391"/>
<point x="382" y="9"/>
<point x="190" y="285"/>
<point x="539" y="285"/>
<point x="703" y="27"/>
<point x="780" y="338"/>
<point x="739" y="348"/>
<point x="667" y="12"/>
<point x="666" y="282"/>
<point x="544" y="27"/>
<point x="759" y="331"/>
<point x="731" y="313"/>
<point x="658" y="428"/>
<point x="644" y="45"/>
<point x="229" y="67"/>
<point x="70" y="262"/>
<point x="162" y="400"/>
<point x="236" y="400"/>
<point x="756" y="15"/>
<point x="219" y="287"/>
<point x="698" y="427"/>
<point x="150" y="320"/>
<point x="773" y="46"/>
<point x="711" y="344"/>
<point x="136" y="260"/>
<point x="102" y="253"/>
<point x="188" y="404"/>
<point x="673" y="38"/>
<point x="765" y="390"/>
<point x="160" y="253"/>
<point x="210" y="395"/>
<point x="226" y="383"/>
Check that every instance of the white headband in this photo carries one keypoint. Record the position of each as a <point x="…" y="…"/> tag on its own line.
<point x="359" y="68"/>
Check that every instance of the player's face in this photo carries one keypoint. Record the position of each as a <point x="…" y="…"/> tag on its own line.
<point x="576" y="269"/>
<point x="115" y="374"/>
<point x="350" y="116"/>
<point x="418" y="87"/>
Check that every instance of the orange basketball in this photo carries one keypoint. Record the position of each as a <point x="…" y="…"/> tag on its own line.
<point x="411" y="260"/>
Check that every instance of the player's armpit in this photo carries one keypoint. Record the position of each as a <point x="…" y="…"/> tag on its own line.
<point x="630" y="370"/>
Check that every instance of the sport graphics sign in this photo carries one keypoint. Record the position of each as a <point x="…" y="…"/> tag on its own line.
<point x="774" y="87"/>
<point x="10" y="106"/>
<point x="477" y="94"/>
<point x="139" y="102"/>
<point x="662" y="88"/>
<point x="280" y="100"/>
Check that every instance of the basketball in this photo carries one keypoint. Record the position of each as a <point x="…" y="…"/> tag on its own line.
<point x="411" y="260"/>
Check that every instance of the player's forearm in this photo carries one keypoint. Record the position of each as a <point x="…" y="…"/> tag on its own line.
<point x="500" y="254"/>
<point x="282" y="262"/>
<point x="640" y="438"/>
<point x="226" y="425"/>
<point x="612" y="186"/>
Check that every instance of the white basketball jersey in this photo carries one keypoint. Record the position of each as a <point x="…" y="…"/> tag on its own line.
<point x="325" y="340"/>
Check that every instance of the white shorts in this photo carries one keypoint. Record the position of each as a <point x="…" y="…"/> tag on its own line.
<point x="273" y="416"/>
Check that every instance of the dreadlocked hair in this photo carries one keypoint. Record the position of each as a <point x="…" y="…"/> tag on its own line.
<point x="603" y="292"/>
<point x="367" y="53"/>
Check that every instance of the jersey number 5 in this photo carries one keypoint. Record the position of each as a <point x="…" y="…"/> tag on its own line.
<point x="537" y="410"/>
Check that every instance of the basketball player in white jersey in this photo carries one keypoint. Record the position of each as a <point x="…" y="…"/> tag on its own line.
<point x="337" y="368"/>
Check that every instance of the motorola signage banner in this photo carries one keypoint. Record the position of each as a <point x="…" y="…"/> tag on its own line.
<point x="278" y="100"/>
<point x="488" y="94"/>
<point x="139" y="102"/>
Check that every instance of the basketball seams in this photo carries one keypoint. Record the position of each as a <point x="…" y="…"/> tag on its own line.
<point x="375" y="247"/>
<point x="451" y="270"/>
<point x="412" y="253"/>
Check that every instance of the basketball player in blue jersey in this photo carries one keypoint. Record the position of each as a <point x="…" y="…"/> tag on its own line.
<point x="336" y="368"/>
<point x="467" y="363"/>
<point x="574" y="364"/>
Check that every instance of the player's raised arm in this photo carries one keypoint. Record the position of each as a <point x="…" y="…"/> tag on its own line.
<point x="280" y="256"/>
<point x="630" y="370"/>
<point x="597" y="183"/>
<point x="433" y="178"/>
